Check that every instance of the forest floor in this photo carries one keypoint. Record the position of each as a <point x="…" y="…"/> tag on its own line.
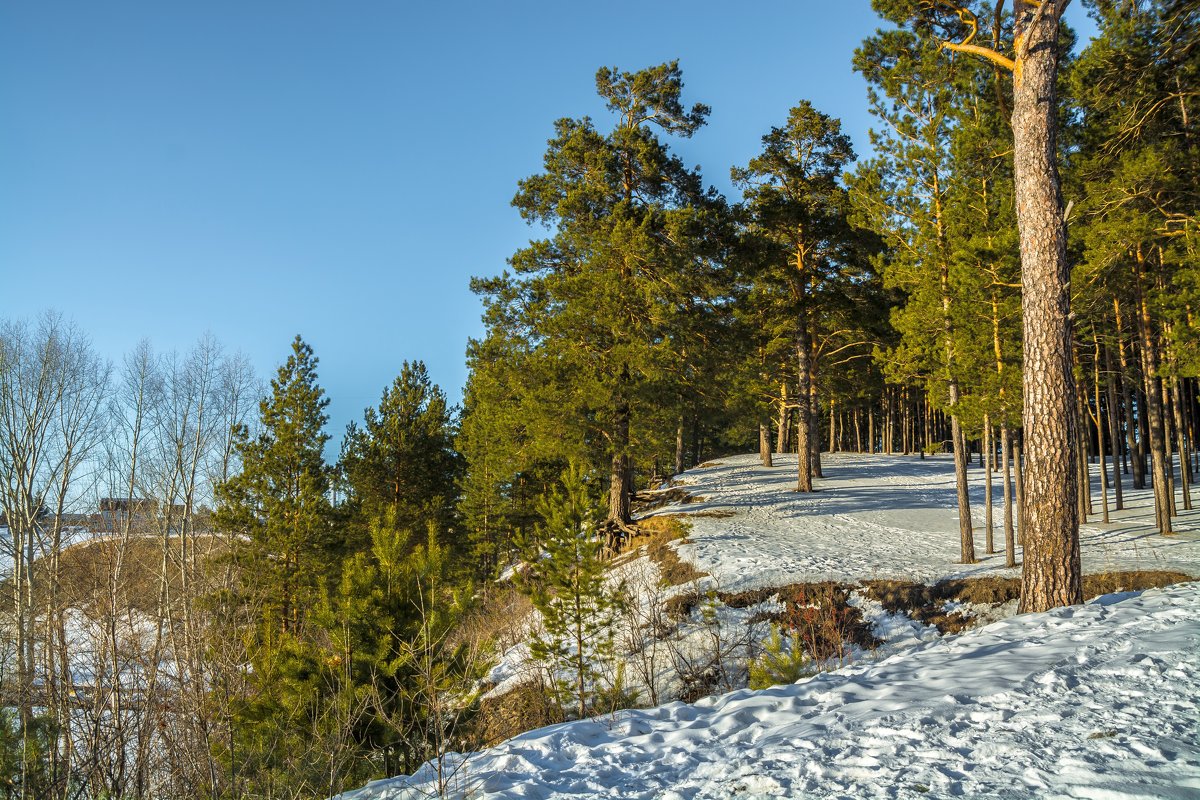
<point x="892" y="517"/>
<point x="1099" y="700"/>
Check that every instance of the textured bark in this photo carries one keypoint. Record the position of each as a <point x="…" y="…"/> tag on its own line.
<point x="803" y="413"/>
<point x="1019" y="486"/>
<point x="1051" y="575"/>
<point x="764" y="444"/>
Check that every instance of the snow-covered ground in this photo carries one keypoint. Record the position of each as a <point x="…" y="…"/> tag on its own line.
<point x="1095" y="701"/>
<point x="885" y="517"/>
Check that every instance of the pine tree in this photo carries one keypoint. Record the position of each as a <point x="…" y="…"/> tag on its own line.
<point x="1050" y="524"/>
<point x="279" y="502"/>
<point x="401" y="463"/>
<point x="287" y="555"/>
<point x="594" y="313"/>
<point x="570" y="589"/>
<point x="797" y="204"/>
<point x="903" y="193"/>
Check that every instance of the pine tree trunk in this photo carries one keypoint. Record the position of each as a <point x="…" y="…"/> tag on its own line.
<point x="679" y="447"/>
<point x="1134" y="442"/>
<point x="1010" y="543"/>
<point x="619" y="487"/>
<point x="814" y="420"/>
<point x="1154" y="411"/>
<point x="764" y="444"/>
<point x="1181" y="443"/>
<point x="1098" y="419"/>
<point x="989" y="541"/>
<point x="1050" y="524"/>
<point x="1114" y="430"/>
<point x="965" y="532"/>
<point x="834" y="414"/>
<point x="781" y="440"/>
<point x="1084" y="497"/>
<point x="803" y="411"/>
<point x="925" y="403"/>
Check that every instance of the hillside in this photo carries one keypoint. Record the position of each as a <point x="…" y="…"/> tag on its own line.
<point x="1048" y="704"/>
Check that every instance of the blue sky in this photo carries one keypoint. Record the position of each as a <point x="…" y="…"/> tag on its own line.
<point x="340" y="170"/>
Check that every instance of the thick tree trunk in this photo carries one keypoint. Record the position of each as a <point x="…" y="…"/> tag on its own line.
<point x="1050" y="524"/>
<point x="764" y="444"/>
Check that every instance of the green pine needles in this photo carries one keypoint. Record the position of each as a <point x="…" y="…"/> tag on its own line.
<point x="578" y="604"/>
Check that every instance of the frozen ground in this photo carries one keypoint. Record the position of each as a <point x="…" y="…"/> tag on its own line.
<point x="1095" y="701"/>
<point x="885" y="517"/>
<point x="1099" y="701"/>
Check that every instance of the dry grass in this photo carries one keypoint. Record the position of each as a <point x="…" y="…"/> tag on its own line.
<point x="657" y="533"/>
<point x="524" y="708"/>
<point x="819" y="613"/>
<point x="86" y="570"/>
<point x="1109" y="582"/>
<point x="497" y="621"/>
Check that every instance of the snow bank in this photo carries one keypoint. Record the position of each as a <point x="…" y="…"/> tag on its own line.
<point x="1100" y="700"/>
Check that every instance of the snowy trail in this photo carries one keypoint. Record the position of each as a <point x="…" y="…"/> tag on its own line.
<point x="1099" y="701"/>
<point x="884" y="517"/>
